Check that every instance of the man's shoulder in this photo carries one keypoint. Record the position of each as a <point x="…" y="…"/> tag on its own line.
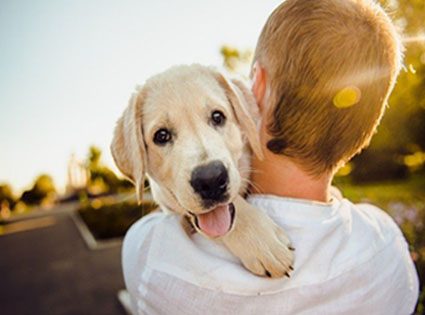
<point x="169" y="225"/>
<point x="141" y="233"/>
<point x="376" y="218"/>
<point x="352" y="243"/>
<point x="372" y="230"/>
<point x="148" y="223"/>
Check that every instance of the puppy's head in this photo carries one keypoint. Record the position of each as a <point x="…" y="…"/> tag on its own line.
<point x="187" y="129"/>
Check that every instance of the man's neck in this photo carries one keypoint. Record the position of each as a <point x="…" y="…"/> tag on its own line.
<point x="281" y="176"/>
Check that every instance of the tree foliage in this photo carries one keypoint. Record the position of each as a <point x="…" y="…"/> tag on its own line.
<point x="404" y="121"/>
<point x="42" y="189"/>
<point x="6" y="195"/>
<point x="102" y="179"/>
<point x="402" y="129"/>
<point x="236" y="60"/>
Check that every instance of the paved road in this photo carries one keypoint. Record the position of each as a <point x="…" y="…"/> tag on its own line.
<point x="50" y="270"/>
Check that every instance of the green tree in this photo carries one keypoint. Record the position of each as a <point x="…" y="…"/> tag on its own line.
<point x="6" y="195"/>
<point x="408" y="98"/>
<point x="236" y="60"/>
<point x="94" y="157"/>
<point x="43" y="189"/>
<point x="102" y="179"/>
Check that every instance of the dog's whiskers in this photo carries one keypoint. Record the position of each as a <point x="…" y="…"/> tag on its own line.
<point x="250" y="183"/>
<point x="251" y="170"/>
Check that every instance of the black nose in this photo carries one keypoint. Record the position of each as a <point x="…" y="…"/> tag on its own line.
<point x="210" y="181"/>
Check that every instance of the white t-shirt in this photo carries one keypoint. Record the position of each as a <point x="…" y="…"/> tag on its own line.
<point x="349" y="259"/>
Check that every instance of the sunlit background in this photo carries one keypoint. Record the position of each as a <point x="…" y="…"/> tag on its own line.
<point x="67" y="69"/>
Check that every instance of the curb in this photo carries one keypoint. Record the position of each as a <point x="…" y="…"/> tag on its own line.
<point x="88" y="237"/>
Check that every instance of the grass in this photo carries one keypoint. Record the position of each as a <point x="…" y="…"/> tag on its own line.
<point x="382" y="194"/>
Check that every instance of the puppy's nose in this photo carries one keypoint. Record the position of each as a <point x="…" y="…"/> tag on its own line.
<point x="210" y="181"/>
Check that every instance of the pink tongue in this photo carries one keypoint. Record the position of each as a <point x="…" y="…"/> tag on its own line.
<point x="216" y="222"/>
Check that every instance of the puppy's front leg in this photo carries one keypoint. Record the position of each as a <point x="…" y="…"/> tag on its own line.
<point x="260" y="244"/>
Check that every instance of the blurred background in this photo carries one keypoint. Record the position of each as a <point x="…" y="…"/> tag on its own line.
<point x="67" y="69"/>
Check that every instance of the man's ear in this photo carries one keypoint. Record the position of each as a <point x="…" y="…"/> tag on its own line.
<point x="128" y="147"/>
<point x="241" y="99"/>
<point x="259" y="84"/>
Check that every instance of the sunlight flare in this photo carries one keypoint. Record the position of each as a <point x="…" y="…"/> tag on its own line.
<point x="419" y="38"/>
<point x="347" y="97"/>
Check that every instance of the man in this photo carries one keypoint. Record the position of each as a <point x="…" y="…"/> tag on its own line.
<point x="322" y="75"/>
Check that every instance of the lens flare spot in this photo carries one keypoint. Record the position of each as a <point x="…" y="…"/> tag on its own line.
<point x="418" y="38"/>
<point x="347" y="97"/>
<point x="415" y="160"/>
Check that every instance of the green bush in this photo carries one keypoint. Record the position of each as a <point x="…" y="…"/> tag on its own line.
<point x="111" y="220"/>
<point x="378" y="165"/>
<point x="42" y="189"/>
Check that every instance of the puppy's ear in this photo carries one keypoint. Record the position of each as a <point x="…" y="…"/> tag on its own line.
<point x="242" y="100"/>
<point x="128" y="146"/>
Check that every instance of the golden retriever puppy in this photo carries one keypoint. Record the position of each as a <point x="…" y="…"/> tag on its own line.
<point x="191" y="131"/>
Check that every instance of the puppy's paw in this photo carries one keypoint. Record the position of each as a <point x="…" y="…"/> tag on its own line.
<point x="262" y="246"/>
<point x="272" y="256"/>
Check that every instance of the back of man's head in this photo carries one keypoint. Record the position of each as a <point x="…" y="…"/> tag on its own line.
<point x="330" y="65"/>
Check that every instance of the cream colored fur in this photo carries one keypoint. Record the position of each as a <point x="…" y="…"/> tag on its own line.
<point x="182" y="99"/>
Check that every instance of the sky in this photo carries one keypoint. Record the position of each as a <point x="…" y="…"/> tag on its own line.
<point x="67" y="69"/>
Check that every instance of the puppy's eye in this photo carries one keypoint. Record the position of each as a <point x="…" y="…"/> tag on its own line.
<point x="162" y="136"/>
<point x="218" y="118"/>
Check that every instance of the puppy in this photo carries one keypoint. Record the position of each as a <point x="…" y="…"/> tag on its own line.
<point x="191" y="131"/>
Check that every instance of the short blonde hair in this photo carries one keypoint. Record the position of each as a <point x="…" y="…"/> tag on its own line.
<point x="331" y="65"/>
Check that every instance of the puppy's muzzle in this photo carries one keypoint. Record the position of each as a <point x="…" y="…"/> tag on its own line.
<point x="211" y="181"/>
